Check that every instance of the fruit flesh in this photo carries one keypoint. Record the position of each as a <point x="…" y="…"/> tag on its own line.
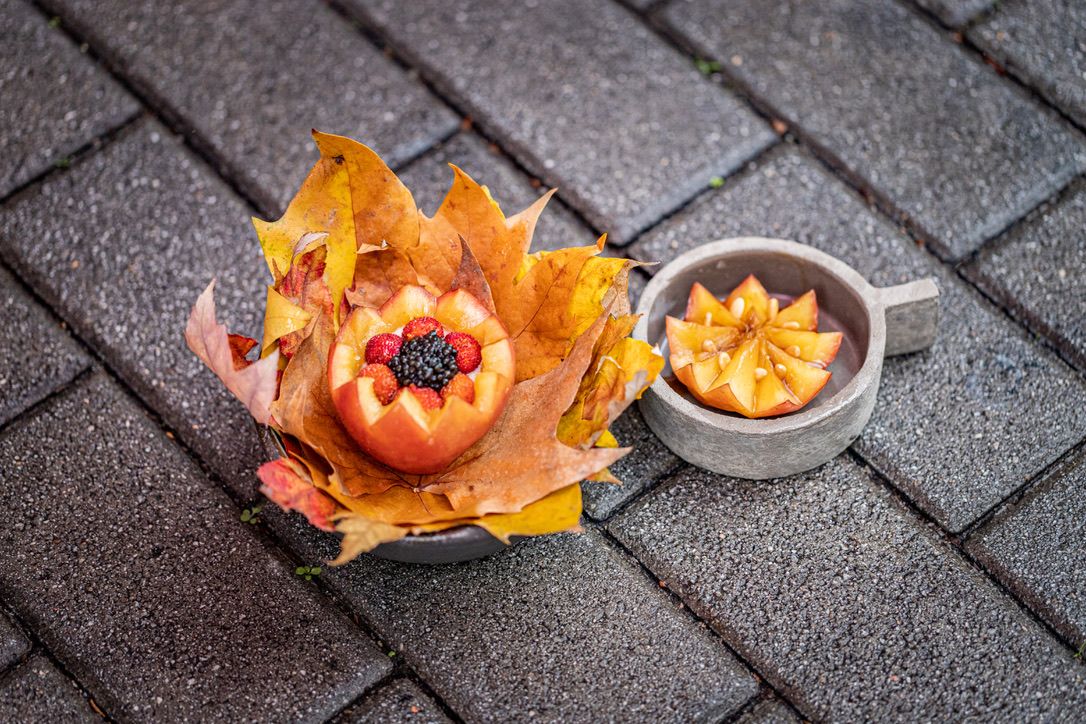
<point x="746" y="354"/>
<point x="413" y="433"/>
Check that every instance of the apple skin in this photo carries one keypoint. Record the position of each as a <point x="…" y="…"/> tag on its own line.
<point x="776" y="359"/>
<point x="403" y="434"/>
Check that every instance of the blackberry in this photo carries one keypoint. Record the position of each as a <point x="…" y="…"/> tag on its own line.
<point x="426" y="361"/>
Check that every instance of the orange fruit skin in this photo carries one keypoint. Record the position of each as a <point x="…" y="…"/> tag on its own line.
<point x="404" y="434"/>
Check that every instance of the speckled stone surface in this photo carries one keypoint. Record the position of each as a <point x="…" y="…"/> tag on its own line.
<point x="958" y="427"/>
<point x="771" y="711"/>
<point x="12" y="643"/>
<point x="121" y="245"/>
<point x="956" y="13"/>
<point x="965" y="156"/>
<point x="627" y="129"/>
<point x="846" y="603"/>
<point x="253" y="84"/>
<point x="1037" y="270"/>
<point x="37" y="692"/>
<point x="638" y="471"/>
<point x="38" y="357"/>
<point x="1037" y="547"/>
<point x="554" y="628"/>
<point x="429" y="179"/>
<point x="136" y="572"/>
<point x="54" y="99"/>
<point x="1042" y="42"/>
<point x="398" y="701"/>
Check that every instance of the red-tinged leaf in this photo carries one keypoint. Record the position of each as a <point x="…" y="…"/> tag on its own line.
<point x="286" y="483"/>
<point x="254" y="384"/>
<point x="240" y="346"/>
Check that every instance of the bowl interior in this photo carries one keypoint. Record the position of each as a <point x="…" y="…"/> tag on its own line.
<point x="840" y="308"/>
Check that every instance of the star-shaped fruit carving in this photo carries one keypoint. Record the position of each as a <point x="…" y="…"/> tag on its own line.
<point x="747" y="354"/>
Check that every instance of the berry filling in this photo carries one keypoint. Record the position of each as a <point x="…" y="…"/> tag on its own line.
<point x="429" y="398"/>
<point x="469" y="354"/>
<point x="384" y="381"/>
<point x="383" y="347"/>
<point x="421" y="326"/>
<point x="432" y="364"/>
<point x="461" y="386"/>
<point x="427" y="361"/>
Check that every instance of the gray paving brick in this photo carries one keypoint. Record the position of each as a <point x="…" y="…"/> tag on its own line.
<point x="627" y="129"/>
<point x="649" y="461"/>
<point x="399" y="701"/>
<point x="56" y="99"/>
<point x="956" y="12"/>
<point x="1041" y="42"/>
<point x="771" y="711"/>
<point x="850" y="607"/>
<point x="135" y="571"/>
<point x="1037" y="548"/>
<point x="38" y="358"/>
<point x="958" y="427"/>
<point x="1037" y="271"/>
<point x="12" y="643"/>
<point x="948" y="142"/>
<point x="555" y="628"/>
<point x="429" y="179"/>
<point x="252" y="84"/>
<point x="37" y="692"/>
<point x="121" y="245"/>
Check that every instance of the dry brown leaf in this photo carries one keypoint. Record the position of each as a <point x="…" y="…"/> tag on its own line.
<point x="253" y="384"/>
<point x="521" y="460"/>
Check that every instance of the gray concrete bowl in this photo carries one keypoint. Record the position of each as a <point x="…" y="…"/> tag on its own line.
<point x="875" y="323"/>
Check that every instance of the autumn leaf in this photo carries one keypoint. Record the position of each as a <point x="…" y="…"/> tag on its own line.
<point x="361" y="535"/>
<point x="521" y="460"/>
<point x="353" y="197"/>
<point x="379" y="273"/>
<point x="557" y="296"/>
<point x="282" y="317"/>
<point x="498" y="243"/>
<point x="253" y="384"/>
<point x="286" y="483"/>
<point x="621" y="368"/>
<point x="556" y="512"/>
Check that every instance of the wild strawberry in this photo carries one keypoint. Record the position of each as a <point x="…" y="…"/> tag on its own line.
<point x="384" y="381"/>
<point x="429" y="398"/>
<point x="382" y="347"/>
<point x="461" y="386"/>
<point x="422" y="325"/>
<point x="468" y="352"/>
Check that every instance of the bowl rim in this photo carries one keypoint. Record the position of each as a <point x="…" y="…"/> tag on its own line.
<point x="710" y="252"/>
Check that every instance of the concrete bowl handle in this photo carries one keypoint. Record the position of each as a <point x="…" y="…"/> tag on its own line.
<point x="912" y="314"/>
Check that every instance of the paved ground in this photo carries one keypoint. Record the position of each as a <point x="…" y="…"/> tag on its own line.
<point x="934" y="571"/>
